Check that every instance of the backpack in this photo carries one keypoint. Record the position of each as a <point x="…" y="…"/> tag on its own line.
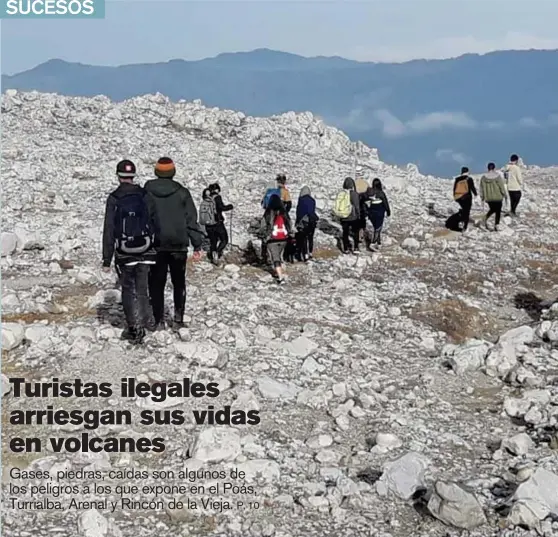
<point x="343" y="207"/>
<point x="133" y="230"/>
<point x="279" y="231"/>
<point x="270" y="192"/>
<point x="461" y="189"/>
<point x="361" y="185"/>
<point x="208" y="213"/>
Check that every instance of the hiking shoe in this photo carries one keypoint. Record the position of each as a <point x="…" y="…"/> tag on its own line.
<point x="281" y="281"/>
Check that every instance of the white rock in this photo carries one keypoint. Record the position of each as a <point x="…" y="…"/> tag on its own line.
<point x="12" y="336"/>
<point x="386" y="442"/>
<point x="217" y="444"/>
<point x="537" y="496"/>
<point x="501" y="360"/>
<point x="5" y="385"/>
<point x="410" y="244"/>
<point x="273" y="389"/>
<point x="8" y="243"/>
<point x="404" y="476"/>
<point x="301" y="347"/>
<point x="467" y="357"/>
<point x="206" y="353"/>
<point x="520" y="444"/>
<point x="455" y="506"/>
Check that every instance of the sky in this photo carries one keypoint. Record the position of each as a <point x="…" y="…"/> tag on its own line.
<point x="139" y="31"/>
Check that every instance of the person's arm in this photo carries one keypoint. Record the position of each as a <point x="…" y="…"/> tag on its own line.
<point x="194" y="231"/>
<point x="386" y="204"/>
<point x="108" y="232"/>
<point x="355" y="202"/>
<point x="264" y="226"/>
<point x="220" y="206"/>
<point x="472" y="187"/>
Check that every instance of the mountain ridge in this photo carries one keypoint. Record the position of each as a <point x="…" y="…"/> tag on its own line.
<point x="439" y="113"/>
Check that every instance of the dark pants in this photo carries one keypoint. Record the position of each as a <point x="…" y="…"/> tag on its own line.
<point x="218" y="239"/>
<point x="175" y="262"/>
<point x="377" y="221"/>
<point x="290" y="250"/>
<point x="350" y="228"/>
<point x="135" y="298"/>
<point x="305" y="241"/>
<point x="465" y="213"/>
<point x="515" y="196"/>
<point x="494" y="208"/>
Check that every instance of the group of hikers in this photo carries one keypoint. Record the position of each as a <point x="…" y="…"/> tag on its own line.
<point x="496" y="188"/>
<point x="148" y="231"/>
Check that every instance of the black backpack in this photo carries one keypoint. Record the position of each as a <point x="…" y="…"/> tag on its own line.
<point x="454" y="222"/>
<point x="133" y="229"/>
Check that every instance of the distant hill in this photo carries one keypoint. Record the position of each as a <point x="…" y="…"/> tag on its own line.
<point x="438" y="113"/>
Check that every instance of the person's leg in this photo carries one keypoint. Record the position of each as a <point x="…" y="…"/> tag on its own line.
<point x="310" y="239"/>
<point x="346" y="226"/>
<point x="355" y="227"/>
<point x="177" y="265"/>
<point x="498" y="212"/>
<point x="280" y="249"/>
<point x="142" y="275"/>
<point x="491" y="211"/>
<point x="466" y="205"/>
<point x="223" y="237"/>
<point x="515" y="196"/>
<point x="213" y="242"/>
<point x="378" y="225"/>
<point x="129" y="303"/>
<point x="301" y="245"/>
<point x="157" y="282"/>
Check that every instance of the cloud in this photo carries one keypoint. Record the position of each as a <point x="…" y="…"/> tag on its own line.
<point x="529" y="122"/>
<point x="393" y="127"/>
<point x="451" y="47"/>
<point x="449" y="155"/>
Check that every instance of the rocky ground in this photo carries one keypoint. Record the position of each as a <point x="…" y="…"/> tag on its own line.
<point x="409" y="392"/>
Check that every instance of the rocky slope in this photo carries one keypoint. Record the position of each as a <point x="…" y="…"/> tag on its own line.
<point x="400" y="393"/>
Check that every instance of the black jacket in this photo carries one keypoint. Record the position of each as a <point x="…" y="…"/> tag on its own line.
<point x="470" y="182"/>
<point x="175" y="215"/>
<point x="109" y="239"/>
<point x="376" y="200"/>
<point x="221" y="208"/>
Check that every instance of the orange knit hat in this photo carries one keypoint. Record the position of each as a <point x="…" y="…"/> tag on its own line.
<point x="165" y="168"/>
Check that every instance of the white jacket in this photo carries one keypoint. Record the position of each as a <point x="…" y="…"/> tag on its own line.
<point x="514" y="176"/>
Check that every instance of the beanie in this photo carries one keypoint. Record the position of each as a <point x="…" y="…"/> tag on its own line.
<point x="165" y="168"/>
<point x="126" y="168"/>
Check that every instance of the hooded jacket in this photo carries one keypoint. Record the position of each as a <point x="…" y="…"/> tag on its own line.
<point x="176" y="216"/>
<point x="349" y="184"/>
<point x="306" y="206"/>
<point x="514" y="176"/>
<point x="376" y="200"/>
<point x="109" y="240"/>
<point x="492" y="187"/>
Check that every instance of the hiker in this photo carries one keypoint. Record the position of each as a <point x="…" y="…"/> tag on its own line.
<point x="305" y="224"/>
<point x="208" y="219"/>
<point x="128" y="235"/>
<point x="280" y="189"/>
<point x="514" y="179"/>
<point x="220" y="229"/>
<point x="362" y="186"/>
<point x="377" y="208"/>
<point x="290" y="247"/>
<point x="176" y="221"/>
<point x="463" y="192"/>
<point x="493" y="192"/>
<point x="275" y="230"/>
<point x="347" y="209"/>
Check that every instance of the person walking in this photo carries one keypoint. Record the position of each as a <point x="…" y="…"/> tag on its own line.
<point x="514" y="180"/>
<point x="305" y="224"/>
<point x="220" y="230"/>
<point x="275" y="231"/>
<point x="128" y="236"/>
<point x="362" y="186"/>
<point x="493" y="192"/>
<point x="347" y="209"/>
<point x="378" y="208"/>
<point x="463" y="192"/>
<point x="176" y="224"/>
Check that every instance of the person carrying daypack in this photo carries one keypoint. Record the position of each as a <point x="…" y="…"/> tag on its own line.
<point x="128" y="236"/>
<point x="463" y="192"/>
<point x="362" y="186"/>
<point x="493" y="192"/>
<point x="514" y="181"/>
<point x="177" y="228"/>
<point x="305" y="224"/>
<point x="219" y="230"/>
<point x="275" y="231"/>
<point x="377" y="208"/>
<point x="208" y="221"/>
<point x="347" y="210"/>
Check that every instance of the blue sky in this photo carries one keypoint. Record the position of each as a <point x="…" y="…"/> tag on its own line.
<point x="136" y="31"/>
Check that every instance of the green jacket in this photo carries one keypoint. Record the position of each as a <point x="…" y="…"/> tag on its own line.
<point x="492" y="187"/>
